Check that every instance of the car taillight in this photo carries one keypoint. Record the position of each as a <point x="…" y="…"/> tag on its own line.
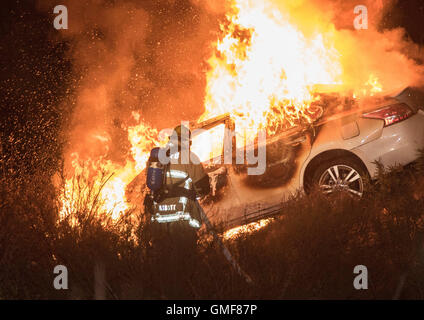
<point x="391" y="114"/>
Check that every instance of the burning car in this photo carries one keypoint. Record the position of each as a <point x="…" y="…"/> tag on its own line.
<point x="263" y="71"/>
<point x="337" y="151"/>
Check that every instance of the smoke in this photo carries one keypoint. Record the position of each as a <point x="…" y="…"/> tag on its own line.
<point x="386" y="54"/>
<point x="146" y="57"/>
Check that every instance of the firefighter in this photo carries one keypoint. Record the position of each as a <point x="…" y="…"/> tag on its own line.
<point x="174" y="216"/>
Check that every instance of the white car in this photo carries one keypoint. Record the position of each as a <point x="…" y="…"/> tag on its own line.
<point x="337" y="152"/>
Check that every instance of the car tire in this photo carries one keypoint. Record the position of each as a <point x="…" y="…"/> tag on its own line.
<point x="341" y="175"/>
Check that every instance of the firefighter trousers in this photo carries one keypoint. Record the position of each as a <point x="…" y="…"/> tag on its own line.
<point x="174" y="257"/>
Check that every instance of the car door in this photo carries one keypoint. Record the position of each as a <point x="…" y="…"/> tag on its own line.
<point x="236" y="196"/>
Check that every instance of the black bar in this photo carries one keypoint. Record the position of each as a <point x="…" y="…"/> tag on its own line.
<point x="212" y="309"/>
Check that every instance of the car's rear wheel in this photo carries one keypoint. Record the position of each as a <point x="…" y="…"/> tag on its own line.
<point x="341" y="175"/>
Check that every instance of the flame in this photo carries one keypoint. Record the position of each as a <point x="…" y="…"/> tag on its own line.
<point x="264" y="70"/>
<point x="374" y="85"/>
<point x="101" y="184"/>
<point x="246" y="229"/>
<point x="142" y="139"/>
<point x="209" y="144"/>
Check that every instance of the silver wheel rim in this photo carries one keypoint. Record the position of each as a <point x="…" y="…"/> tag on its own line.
<point x="341" y="178"/>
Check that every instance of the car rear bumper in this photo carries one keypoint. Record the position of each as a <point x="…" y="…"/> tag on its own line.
<point x="398" y="144"/>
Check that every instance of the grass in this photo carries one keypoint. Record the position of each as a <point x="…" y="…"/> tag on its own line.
<point x="309" y="252"/>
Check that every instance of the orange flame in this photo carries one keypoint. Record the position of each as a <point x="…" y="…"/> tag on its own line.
<point x="264" y="72"/>
<point x="264" y="69"/>
<point x="246" y="229"/>
<point x="101" y="184"/>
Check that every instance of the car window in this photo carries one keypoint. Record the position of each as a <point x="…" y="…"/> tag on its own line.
<point x="208" y="144"/>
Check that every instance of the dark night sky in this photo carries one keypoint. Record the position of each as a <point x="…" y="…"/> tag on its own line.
<point x="35" y="78"/>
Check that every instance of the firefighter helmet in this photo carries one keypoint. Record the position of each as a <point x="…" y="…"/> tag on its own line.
<point x="183" y="133"/>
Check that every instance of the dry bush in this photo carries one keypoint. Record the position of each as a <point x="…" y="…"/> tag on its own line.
<point x="308" y="252"/>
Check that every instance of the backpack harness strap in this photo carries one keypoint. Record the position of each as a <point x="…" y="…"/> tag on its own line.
<point x="176" y="212"/>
